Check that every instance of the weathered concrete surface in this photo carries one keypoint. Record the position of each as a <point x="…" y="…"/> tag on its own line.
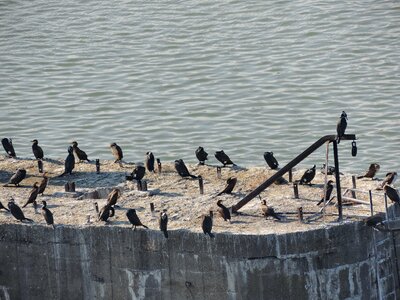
<point x="350" y="261"/>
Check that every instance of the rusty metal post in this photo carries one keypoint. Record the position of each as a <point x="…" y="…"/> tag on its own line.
<point x="152" y="207"/>
<point x="296" y="190"/>
<point x="337" y="175"/>
<point x="219" y="172"/>
<point x="353" y="193"/>
<point x="201" y="185"/>
<point x="300" y="214"/>
<point x="159" y="166"/>
<point x="371" y="205"/>
<point x="290" y="175"/>
<point x="98" y="166"/>
<point x="144" y="185"/>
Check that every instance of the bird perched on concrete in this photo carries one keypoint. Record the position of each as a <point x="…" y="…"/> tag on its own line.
<point x="331" y="170"/>
<point x="8" y="147"/>
<point x="17" y="212"/>
<point x="3" y="207"/>
<point x="201" y="155"/>
<point x="17" y="177"/>
<point x="268" y="211"/>
<point x="149" y="161"/>
<point x="134" y="219"/>
<point x="182" y="170"/>
<point x="271" y="160"/>
<point x="113" y="197"/>
<point x="32" y="195"/>
<point x="389" y="179"/>
<point x="308" y="176"/>
<point x="373" y="169"/>
<point x="375" y="220"/>
<point x="223" y="158"/>
<point x="341" y="126"/>
<point x="69" y="163"/>
<point x="37" y="150"/>
<point x="137" y="173"/>
<point x="116" y="152"/>
<point x="80" y="154"/>
<point x="207" y="224"/>
<point x="163" y="222"/>
<point x="328" y="192"/>
<point x="47" y="214"/>
<point x="392" y="193"/>
<point x="230" y="184"/>
<point x="223" y="211"/>
<point x="107" y="211"/>
<point x="43" y="184"/>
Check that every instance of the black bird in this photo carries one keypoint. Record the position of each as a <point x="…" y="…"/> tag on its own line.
<point x="149" y="161"/>
<point x="8" y="147"/>
<point x="389" y="179"/>
<point x="329" y="189"/>
<point x="223" y="158"/>
<point x="32" y="195"/>
<point x="43" y="184"/>
<point x="17" y="212"/>
<point x="281" y="180"/>
<point x="3" y="207"/>
<point x="373" y="169"/>
<point x="107" y="211"/>
<point x="116" y="152"/>
<point x="17" y="177"/>
<point x="271" y="160"/>
<point x="69" y="164"/>
<point x="80" y="154"/>
<point x="341" y="126"/>
<point x="331" y="170"/>
<point x="223" y="211"/>
<point x="138" y="172"/>
<point x="182" y="170"/>
<point x="308" y="176"/>
<point x="230" y="184"/>
<point x="37" y="150"/>
<point x="268" y="211"/>
<point x="201" y="155"/>
<point x="392" y="194"/>
<point x="207" y="224"/>
<point x="47" y="214"/>
<point x="113" y="197"/>
<point x="375" y="220"/>
<point x="163" y="222"/>
<point x="134" y="219"/>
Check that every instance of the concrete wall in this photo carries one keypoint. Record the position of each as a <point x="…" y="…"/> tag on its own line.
<point x="350" y="261"/>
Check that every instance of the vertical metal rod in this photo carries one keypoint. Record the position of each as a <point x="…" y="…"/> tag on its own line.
<point x="337" y="175"/>
<point x="296" y="190"/>
<point x="326" y="178"/>
<point x="159" y="165"/>
<point x="97" y="166"/>
<point x="386" y="208"/>
<point x="152" y="207"/>
<point x="353" y="193"/>
<point x="290" y="175"/>
<point x="40" y="165"/>
<point x="218" y="172"/>
<point x="300" y="214"/>
<point x="144" y="185"/>
<point x="201" y="186"/>
<point x="371" y="205"/>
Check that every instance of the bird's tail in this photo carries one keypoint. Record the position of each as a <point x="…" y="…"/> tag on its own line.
<point x="359" y="177"/>
<point x="23" y="206"/>
<point x="145" y="226"/>
<point x="320" y="201"/>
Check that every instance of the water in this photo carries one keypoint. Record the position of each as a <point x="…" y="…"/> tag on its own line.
<point x="168" y="76"/>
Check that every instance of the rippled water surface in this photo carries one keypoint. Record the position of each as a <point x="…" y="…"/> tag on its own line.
<point x="168" y="76"/>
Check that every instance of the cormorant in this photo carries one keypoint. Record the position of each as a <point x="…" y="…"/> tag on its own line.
<point x="17" y="177"/>
<point x="223" y="158"/>
<point x="207" y="224"/>
<point x="182" y="170"/>
<point x="230" y="184"/>
<point x="32" y="195"/>
<point x="331" y="170"/>
<point x="329" y="189"/>
<point x="80" y="154"/>
<point x="223" y="211"/>
<point x="8" y="147"/>
<point x="134" y="219"/>
<point x="163" y="222"/>
<point x="69" y="164"/>
<point x="43" y="184"/>
<point x="116" y="152"/>
<point x="47" y="214"/>
<point x="392" y="193"/>
<point x="308" y="176"/>
<point x="375" y="220"/>
<point x="373" y="169"/>
<point x="137" y="173"/>
<point x="268" y="211"/>
<point x="389" y="179"/>
<point x="17" y="212"/>
<point x="107" y="211"/>
<point x="271" y="160"/>
<point x="201" y="155"/>
<point x="3" y="207"/>
<point x="37" y="150"/>
<point x="149" y="161"/>
<point x="341" y="126"/>
<point x="113" y="197"/>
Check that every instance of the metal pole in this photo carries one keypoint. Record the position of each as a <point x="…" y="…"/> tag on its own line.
<point x="337" y="175"/>
<point x="371" y="205"/>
